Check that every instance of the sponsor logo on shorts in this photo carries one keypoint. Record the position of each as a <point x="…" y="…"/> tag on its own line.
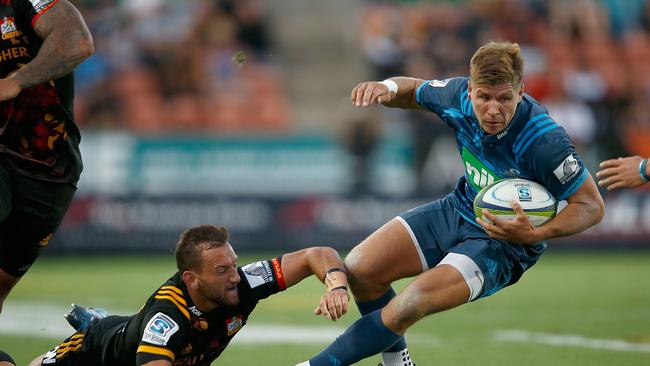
<point x="234" y="324"/>
<point x="567" y="170"/>
<point x="159" y="330"/>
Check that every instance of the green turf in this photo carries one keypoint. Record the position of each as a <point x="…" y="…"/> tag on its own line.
<point x="602" y="295"/>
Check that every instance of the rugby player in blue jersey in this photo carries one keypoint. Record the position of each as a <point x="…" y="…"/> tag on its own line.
<point x="501" y="132"/>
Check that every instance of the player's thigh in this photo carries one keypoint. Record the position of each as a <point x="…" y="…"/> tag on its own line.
<point x="38" y="208"/>
<point x="437" y="289"/>
<point x="386" y="255"/>
<point x="493" y="263"/>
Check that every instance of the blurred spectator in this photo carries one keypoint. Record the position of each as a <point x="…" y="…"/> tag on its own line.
<point x="164" y="65"/>
<point x="586" y="58"/>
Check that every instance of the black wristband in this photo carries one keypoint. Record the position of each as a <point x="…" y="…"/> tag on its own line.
<point x="335" y="269"/>
<point x="339" y="288"/>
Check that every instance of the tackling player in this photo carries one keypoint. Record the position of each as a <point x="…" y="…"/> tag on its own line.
<point x="192" y="317"/>
<point x="500" y="133"/>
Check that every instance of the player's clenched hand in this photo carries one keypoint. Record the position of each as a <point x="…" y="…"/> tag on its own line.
<point x="620" y="173"/>
<point x="370" y="92"/>
<point x="333" y="304"/>
<point x="519" y="230"/>
<point x="9" y="89"/>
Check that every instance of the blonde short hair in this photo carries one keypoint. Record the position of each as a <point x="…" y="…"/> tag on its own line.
<point x="497" y="63"/>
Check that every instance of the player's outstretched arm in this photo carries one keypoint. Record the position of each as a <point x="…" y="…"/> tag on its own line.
<point x="66" y="43"/>
<point x="326" y="265"/>
<point x="628" y="172"/>
<point x="396" y="92"/>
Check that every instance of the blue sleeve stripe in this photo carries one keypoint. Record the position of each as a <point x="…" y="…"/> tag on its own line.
<point x="527" y="135"/>
<point x="531" y="121"/>
<point x="574" y="187"/>
<point x="543" y="131"/>
<point x="418" y="100"/>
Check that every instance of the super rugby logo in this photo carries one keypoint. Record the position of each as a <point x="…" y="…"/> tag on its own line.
<point x="159" y="330"/>
<point x="524" y="193"/>
<point x="567" y="169"/>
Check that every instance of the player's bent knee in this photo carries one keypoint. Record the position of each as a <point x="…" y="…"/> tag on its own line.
<point x="471" y="272"/>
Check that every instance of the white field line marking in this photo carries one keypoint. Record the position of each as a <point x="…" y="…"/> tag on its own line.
<point x="569" y="340"/>
<point x="46" y="321"/>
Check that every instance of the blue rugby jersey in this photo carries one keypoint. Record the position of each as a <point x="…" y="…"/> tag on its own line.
<point x="532" y="146"/>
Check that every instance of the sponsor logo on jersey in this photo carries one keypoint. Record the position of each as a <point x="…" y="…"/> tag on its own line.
<point x="50" y="356"/>
<point x="439" y="83"/>
<point x="476" y="173"/>
<point x="39" y="5"/>
<point x="200" y="324"/>
<point x="159" y="330"/>
<point x="234" y="324"/>
<point x="567" y="169"/>
<point x="195" y="311"/>
<point x="8" y="28"/>
<point x="258" y="273"/>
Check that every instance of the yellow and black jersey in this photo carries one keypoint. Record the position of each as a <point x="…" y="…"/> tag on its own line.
<point x="38" y="135"/>
<point x="170" y="327"/>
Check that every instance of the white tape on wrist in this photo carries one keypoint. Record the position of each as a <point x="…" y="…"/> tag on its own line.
<point x="391" y="85"/>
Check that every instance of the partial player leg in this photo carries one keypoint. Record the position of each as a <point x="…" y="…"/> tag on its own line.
<point x="438" y="289"/>
<point x="6" y="360"/>
<point x="386" y="255"/>
<point x="36" y="209"/>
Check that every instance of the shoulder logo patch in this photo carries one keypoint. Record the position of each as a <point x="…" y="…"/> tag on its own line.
<point x="567" y="169"/>
<point x="439" y="83"/>
<point x="258" y="273"/>
<point x="159" y="330"/>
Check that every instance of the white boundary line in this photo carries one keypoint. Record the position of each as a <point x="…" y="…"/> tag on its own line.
<point x="569" y="340"/>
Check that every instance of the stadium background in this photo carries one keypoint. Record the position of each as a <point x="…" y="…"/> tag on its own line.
<point x="237" y="113"/>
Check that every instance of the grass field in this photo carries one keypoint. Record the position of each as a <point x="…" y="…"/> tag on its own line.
<point x="571" y="309"/>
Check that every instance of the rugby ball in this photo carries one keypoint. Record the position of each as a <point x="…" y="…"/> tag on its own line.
<point x="536" y="201"/>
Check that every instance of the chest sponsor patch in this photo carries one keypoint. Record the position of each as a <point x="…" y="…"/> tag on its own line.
<point x="258" y="273"/>
<point x="234" y="324"/>
<point x="567" y="169"/>
<point x="8" y="28"/>
<point x="159" y="330"/>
